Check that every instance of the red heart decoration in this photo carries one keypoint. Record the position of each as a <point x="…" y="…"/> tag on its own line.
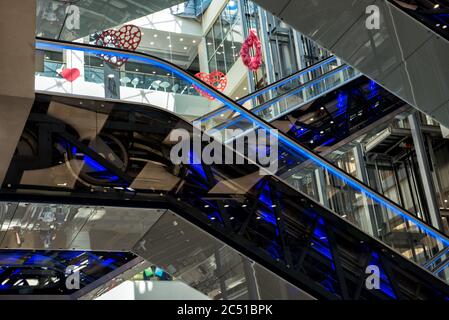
<point x="216" y="79"/>
<point x="127" y="37"/>
<point x="70" y="74"/>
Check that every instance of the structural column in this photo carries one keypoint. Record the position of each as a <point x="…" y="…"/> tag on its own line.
<point x="424" y="170"/>
<point x="17" y="33"/>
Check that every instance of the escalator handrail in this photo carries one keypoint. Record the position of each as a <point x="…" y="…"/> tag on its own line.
<point x="274" y="85"/>
<point x="355" y="183"/>
<point x="268" y="103"/>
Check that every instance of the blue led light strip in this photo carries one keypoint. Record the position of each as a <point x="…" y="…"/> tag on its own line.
<point x="259" y="122"/>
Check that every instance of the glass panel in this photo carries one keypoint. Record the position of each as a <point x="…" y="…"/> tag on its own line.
<point x="289" y="162"/>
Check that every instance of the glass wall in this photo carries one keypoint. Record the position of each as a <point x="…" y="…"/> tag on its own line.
<point x="224" y="39"/>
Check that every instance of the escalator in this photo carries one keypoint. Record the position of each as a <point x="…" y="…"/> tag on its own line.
<point x="406" y="53"/>
<point x="260" y="216"/>
<point x="110" y="150"/>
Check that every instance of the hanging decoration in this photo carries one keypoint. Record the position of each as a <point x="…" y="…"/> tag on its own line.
<point x="216" y="79"/>
<point x="253" y="63"/>
<point x="128" y="37"/>
<point x="70" y="74"/>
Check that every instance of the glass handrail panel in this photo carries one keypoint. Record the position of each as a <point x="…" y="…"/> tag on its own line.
<point x="290" y="100"/>
<point x="293" y="164"/>
<point x="276" y="91"/>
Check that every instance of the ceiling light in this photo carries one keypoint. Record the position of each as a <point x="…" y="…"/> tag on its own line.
<point x="110" y="76"/>
<point x="193" y="41"/>
<point x="436" y="6"/>
<point x="154" y="72"/>
<point x="137" y="69"/>
<point x="168" y="74"/>
<point x="321" y="132"/>
<point x="332" y="122"/>
<point x="181" y="39"/>
<point x="155" y="35"/>
<point x="245" y="88"/>
<point x="142" y="33"/>
<point x="168" y="37"/>
<point x="209" y="43"/>
<point x="152" y="43"/>
<point x="169" y="45"/>
<point x="185" y="48"/>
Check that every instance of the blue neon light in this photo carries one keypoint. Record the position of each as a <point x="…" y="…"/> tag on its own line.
<point x="243" y="113"/>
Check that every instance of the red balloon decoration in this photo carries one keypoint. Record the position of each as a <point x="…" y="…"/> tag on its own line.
<point x="70" y="74"/>
<point x="127" y="37"/>
<point x="216" y="79"/>
<point x="253" y="63"/>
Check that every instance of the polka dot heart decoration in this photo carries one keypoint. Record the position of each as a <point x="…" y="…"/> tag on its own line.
<point x="216" y="79"/>
<point x="128" y="37"/>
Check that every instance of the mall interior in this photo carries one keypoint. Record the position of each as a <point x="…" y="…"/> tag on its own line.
<point x="351" y="99"/>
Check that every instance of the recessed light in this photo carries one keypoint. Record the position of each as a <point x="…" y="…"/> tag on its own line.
<point x="111" y="76"/>
<point x="185" y="48"/>
<point x="152" y="43"/>
<point x="245" y="88"/>
<point x="168" y="37"/>
<point x="209" y="43"/>
<point x="321" y="132"/>
<point x="332" y="122"/>
<point x="154" y="72"/>
<point x="137" y="69"/>
<point x="142" y="33"/>
<point x="436" y="6"/>
<point x="155" y="35"/>
<point x="168" y="74"/>
<point x="181" y="39"/>
<point x="169" y="45"/>
<point x="193" y="41"/>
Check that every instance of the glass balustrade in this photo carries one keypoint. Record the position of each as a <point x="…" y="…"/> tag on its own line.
<point x="289" y="162"/>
